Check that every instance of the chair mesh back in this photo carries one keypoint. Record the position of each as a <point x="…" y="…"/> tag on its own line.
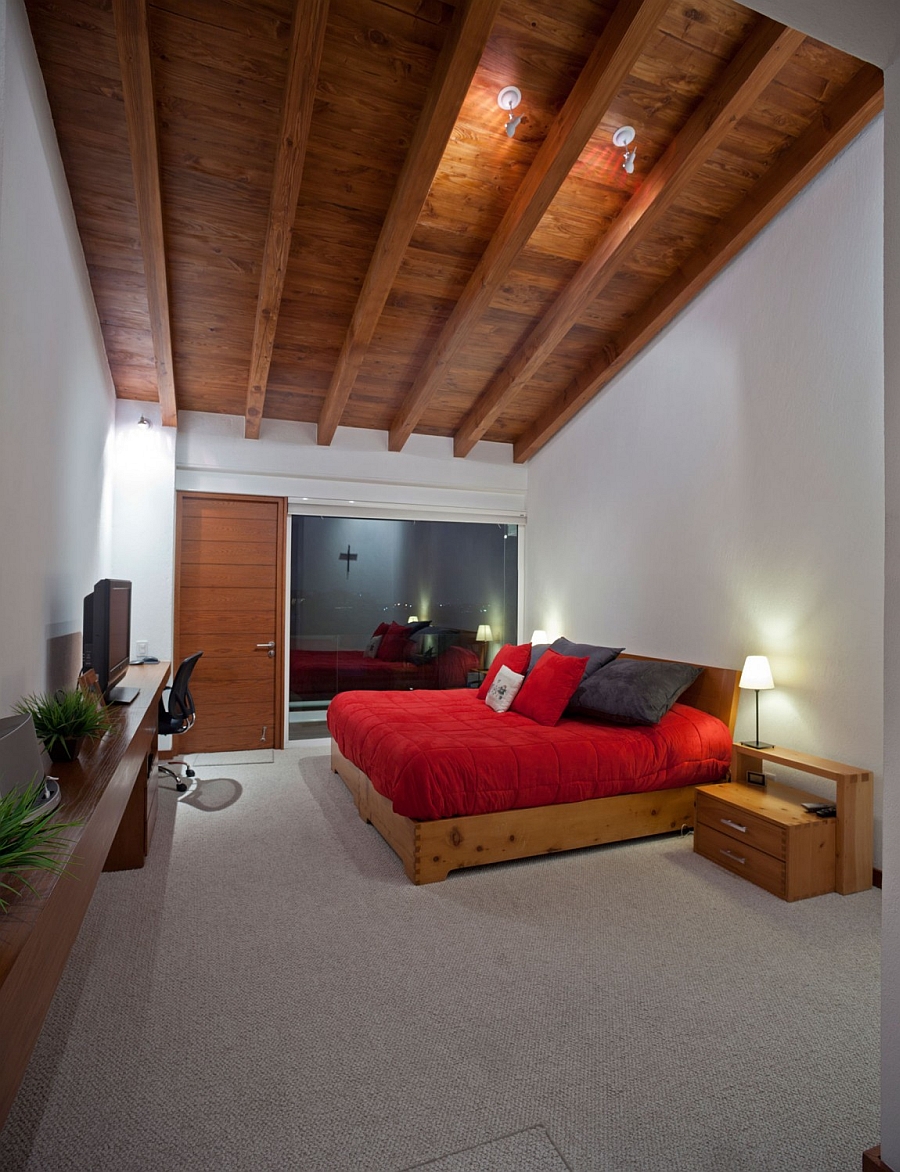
<point x="181" y="704"/>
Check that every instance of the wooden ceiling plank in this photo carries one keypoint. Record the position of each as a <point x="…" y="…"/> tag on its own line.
<point x="756" y="64"/>
<point x="133" y="41"/>
<point x="453" y="77"/>
<point x="307" y="41"/>
<point x="616" y="51"/>
<point x="835" y="127"/>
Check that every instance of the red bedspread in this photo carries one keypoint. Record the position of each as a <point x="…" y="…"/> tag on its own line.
<point x="444" y="754"/>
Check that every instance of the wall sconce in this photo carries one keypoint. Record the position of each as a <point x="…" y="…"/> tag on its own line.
<point x="144" y="423"/>
<point x="508" y="98"/>
<point x="757" y="675"/>
<point x="624" y="137"/>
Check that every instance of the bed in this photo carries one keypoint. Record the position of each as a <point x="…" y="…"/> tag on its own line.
<point x="367" y="734"/>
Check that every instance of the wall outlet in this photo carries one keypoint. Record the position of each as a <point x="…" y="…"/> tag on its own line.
<point x="141" y="648"/>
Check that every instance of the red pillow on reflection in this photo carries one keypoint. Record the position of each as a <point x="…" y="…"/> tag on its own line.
<point x="549" y="687"/>
<point x="515" y="658"/>
<point x="392" y="647"/>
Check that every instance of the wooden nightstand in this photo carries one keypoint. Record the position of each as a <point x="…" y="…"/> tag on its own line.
<point x="765" y="835"/>
<point x="854" y="788"/>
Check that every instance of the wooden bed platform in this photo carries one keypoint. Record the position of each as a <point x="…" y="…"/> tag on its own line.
<point x="430" y="850"/>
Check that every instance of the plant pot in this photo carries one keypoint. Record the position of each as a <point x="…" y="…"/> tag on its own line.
<point x="66" y="750"/>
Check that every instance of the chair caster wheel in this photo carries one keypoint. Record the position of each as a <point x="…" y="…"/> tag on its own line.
<point x="181" y="787"/>
<point x="189" y="772"/>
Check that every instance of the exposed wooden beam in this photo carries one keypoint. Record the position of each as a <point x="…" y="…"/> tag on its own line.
<point x="756" y="64"/>
<point x="618" y="48"/>
<point x="307" y="39"/>
<point x="456" y="67"/>
<point x="133" y="42"/>
<point x="835" y="127"/>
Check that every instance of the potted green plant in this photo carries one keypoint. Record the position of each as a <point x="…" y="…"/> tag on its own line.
<point x="63" y="720"/>
<point x="28" y="841"/>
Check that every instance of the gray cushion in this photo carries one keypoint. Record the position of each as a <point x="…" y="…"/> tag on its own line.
<point x="633" y="691"/>
<point x="597" y="657"/>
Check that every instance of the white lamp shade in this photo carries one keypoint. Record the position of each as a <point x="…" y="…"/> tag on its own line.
<point x="539" y="636"/>
<point x="413" y="618"/>
<point x="756" y="674"/>
<point x="483" y="634"/>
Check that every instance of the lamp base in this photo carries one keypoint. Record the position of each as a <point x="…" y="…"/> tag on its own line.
<point x="757" y="745"/>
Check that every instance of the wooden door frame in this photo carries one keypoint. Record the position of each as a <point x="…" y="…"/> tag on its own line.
<point x="182" y="495"/>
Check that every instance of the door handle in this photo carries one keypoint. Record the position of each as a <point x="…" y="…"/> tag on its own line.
<point x="265" y="646"/>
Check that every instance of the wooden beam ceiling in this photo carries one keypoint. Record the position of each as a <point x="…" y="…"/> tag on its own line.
<point x="453" y="76"/>
<point x="310" y="210"/>
<point x="133" y="43"/>
<point x="307" y="41"/>
<point x="834" y="129"/>
<point x="616" y="52"/>
<point x="761" y="57"/>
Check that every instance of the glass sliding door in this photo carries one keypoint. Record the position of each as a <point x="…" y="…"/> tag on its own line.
<point x="387" y="605"/>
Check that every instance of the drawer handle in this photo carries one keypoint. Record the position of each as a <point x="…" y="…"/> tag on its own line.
<point x="733" y="825"/>
<point x="732" y="855"/>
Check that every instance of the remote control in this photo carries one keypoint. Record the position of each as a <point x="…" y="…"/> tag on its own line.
<point x="814" y="807"/>
<point x="826" y="812"/>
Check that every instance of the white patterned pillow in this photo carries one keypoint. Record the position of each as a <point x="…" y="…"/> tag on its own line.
<point x="372" y="647"/>
<point x="503" y="690"/>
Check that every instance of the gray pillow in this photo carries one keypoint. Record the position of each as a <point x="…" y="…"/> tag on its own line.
<point x="537" y="650"/>
<point x="632" y="691"/>
<point x="597" y="657"/>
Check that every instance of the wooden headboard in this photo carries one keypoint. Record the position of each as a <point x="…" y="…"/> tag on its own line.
<point x="714" y="691"/>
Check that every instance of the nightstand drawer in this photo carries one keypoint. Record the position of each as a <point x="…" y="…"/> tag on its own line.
<point x="747" y="828"/>
<point x="744" y="860"/>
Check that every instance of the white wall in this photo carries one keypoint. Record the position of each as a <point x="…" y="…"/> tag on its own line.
<point x="56" y="395"/>
<point x="143" y="523"/>
<point x="422" y="480"/>
<point x="724" y="495"/>
<point x="890" y="986"/>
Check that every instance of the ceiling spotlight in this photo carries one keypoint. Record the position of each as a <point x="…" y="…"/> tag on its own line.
<point x="624" y="137"/>
<point x="508" y="98"/>
<point x="144" y="422"/>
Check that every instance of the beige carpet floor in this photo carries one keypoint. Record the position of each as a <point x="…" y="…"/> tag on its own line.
<point x="270" y="992"/>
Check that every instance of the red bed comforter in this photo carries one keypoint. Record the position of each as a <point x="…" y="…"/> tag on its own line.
<point x="445" y="754"/>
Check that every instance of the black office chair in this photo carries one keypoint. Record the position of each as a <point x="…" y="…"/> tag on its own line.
<point x="178" y="715"/>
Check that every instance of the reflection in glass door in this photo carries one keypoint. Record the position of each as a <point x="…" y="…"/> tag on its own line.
<point x="391" y="605"/>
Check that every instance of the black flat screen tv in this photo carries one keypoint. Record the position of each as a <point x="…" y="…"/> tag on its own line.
<point x="107" y="631"/>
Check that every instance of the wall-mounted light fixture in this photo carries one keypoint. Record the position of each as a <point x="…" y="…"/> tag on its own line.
<point x="144" y="422"/>
<point x="624" y="137"/>
<point x="508" y="98"/>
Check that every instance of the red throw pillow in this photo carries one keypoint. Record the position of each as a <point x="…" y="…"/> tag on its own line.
<point x="549" y="687"/>
<point x="393" y="644"/>
<point x="515" y="658"/>
<point x="381" y="629"/>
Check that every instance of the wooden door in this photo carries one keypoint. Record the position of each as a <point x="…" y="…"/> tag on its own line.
<point x="229" y="604"/>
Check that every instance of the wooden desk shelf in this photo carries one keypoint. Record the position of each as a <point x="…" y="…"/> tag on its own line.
<point x="106" y="790"/>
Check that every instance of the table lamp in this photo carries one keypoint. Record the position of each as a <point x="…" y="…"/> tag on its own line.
<point x="539" y="636"/>
<point x="756" y="675"/>
<point x="483" y="636"/>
